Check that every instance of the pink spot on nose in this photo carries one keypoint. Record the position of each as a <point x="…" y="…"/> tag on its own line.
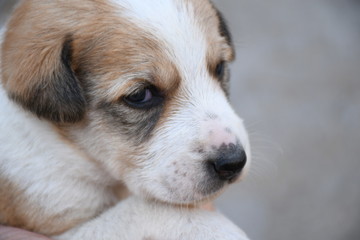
<point x="220" y="136"/>
<point x="216" y="134"/>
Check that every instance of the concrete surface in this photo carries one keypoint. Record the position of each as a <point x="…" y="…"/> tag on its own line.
<point x="296" y="82"/>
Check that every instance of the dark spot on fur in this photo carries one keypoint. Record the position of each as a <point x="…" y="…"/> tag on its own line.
<point x="59" y="97"/>
<point x="137" y="124"/>
<point x="212" y="116"/>
<point x="228" y="130"/>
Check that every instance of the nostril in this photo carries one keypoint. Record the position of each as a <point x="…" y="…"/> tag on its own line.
<point x="230" y="165"/>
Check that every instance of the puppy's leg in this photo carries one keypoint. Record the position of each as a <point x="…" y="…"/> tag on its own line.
<point x="137" y="219"/>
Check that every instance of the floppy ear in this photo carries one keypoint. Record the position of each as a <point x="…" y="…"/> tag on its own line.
<point x="37" y="74"/>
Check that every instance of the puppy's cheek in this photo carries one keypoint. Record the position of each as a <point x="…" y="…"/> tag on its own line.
<point x="131" y="124"/>
<point x="139" y="183"/>
<point x="178" y="182"/>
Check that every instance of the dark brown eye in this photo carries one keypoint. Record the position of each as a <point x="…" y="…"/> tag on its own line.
<point x="144" y="98"/>
<point x="220" y="69"/>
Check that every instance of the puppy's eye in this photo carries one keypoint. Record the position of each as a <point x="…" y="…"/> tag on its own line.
<point x="220" y="69"/>
<point x="142" y="96"/>
<point x="144" y="99"/>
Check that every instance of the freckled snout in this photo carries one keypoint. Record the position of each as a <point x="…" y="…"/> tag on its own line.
<point x="228" y="162"/>
<point x="225" y="149"/>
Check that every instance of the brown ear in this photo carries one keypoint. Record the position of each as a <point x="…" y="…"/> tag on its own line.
<point x="37" y="74"/>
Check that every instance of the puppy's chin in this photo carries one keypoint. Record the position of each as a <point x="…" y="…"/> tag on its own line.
<point x="186" y="192"/>
<point x="204" y="189"/>
<point x="187" y="198"/>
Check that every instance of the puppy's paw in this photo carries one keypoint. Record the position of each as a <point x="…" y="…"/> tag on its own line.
<point x="172" y="223"/>
<point x="212" y="226"/>
<point x="139" y="219"/>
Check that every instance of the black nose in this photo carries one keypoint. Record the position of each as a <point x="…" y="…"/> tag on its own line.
<point x="231" y="160"/>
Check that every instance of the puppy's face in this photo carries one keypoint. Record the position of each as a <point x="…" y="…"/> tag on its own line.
<point x="138" y="86"/>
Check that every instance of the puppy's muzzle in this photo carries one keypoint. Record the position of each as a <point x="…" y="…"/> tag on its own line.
<point x="228" y="162"/>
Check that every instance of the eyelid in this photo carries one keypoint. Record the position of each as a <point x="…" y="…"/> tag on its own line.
<point x="136" y="87"/>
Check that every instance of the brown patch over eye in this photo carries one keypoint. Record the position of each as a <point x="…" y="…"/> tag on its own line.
<point x="220" y="72"/>
<point x="218" y="69"/>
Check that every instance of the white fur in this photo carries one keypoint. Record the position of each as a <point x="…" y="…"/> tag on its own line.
<point x="35" y="158"/>
<point x="174" y="23"/>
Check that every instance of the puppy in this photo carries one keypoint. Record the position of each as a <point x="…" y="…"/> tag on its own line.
<point x="103" y="97"/>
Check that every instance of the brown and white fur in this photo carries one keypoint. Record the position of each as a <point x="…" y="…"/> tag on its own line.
<point x="101" y="97"/>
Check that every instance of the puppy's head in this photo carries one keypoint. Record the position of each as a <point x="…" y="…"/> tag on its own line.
<point x="139" y="86"/>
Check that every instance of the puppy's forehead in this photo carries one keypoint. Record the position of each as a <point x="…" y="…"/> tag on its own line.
<point x="185" y="29"/>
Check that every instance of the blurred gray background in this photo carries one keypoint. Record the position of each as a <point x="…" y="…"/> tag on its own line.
<point x="296" y="82"/>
